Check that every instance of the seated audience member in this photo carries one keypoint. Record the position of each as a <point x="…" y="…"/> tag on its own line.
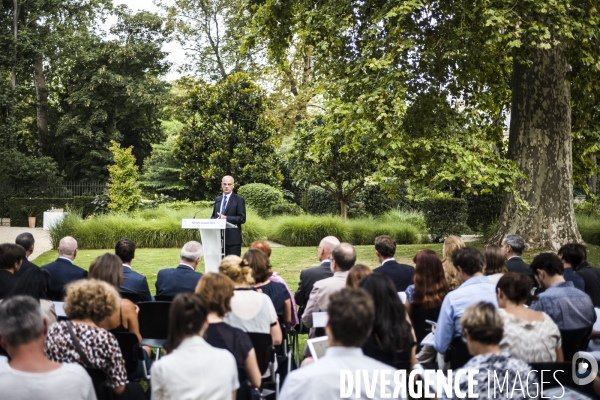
<point x="36" y="283"/>
<point x="87" y="303"/>
<point x="356" y="273"/>
<point x="193" y="369"/>
<point x="265" y="248"/>
<point x="483" y="331"/>
<point x="63" y="271"/>
<point x="351" y="316"/>
<point x="217" y="290"/>
<point x="495" y="263"/>
<point x="251" y="311"/>
<point x="261" y="271"/>
<point x="590" y="275"/>
<point x="26" y="241"/>
<point x="133" y="282"/>
<point x="343" y="258"/>
<point x="108" y="268"/>
<point x="183" y="279"/>
<point x="424" y="298"/>
<point x="570" y="255"/>
<point x="529" y="335"/>
<point x="11" y="257"/>
<point x="513" y="246"/>
<point x="451" y="244"/>
<point x="568" y="307"/>
<point x="474" y="288"/>
<point x="391" y="340"/>
<point x="400" y="274"/>
<point x="30" y="375"/>
<point x="309" y="276"/>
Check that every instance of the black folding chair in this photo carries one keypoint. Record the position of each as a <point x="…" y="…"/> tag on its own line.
<point x="133" y="297"/>
<point x="132" y="353"/>
<point x="574" y="340"/>
<point x="245" y="390"/>
<point x="457" y="354"/>
<point x="55" y="295"/>
<point x="153" y="318"/>
<point x="100" y="383"/>
<point x="418" y="317"/>
<point x="265" y="356"/>
<point x="164" y="298"/>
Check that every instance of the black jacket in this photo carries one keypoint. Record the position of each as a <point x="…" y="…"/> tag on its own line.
<point x="26" y="266"/>
<point x="172" y="281"/>
<point x="516" y="264"/>
<point x="591" y="277"/>
<point x="308" y="277"/>
<point x="236" y="214"/>
<point x="401" y="274"/>
<point x="63" y="272"/>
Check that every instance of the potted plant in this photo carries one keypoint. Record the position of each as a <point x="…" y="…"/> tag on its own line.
<point x="30" y="211"/>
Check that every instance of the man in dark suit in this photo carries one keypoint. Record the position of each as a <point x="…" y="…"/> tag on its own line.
<point x="63" y="271"/>
<point x="309" y="276"/>
<point x="184" y="278"/>
<point x="26" y="241"/>
<point x="514" y="245"/>
<point x="401" y="274"/>
<point x="11" y="256"/>
<point x="231" y="207"/>
<point x="133" y="282"/>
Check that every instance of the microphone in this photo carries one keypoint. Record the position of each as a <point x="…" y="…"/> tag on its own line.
<point x="202" y="209"/>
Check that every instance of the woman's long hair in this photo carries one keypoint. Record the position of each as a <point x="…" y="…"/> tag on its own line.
<point x="34" y="282"/>
<point x="495" y="260"/>
<point x="431" y="285"/>
<point x="390" y="328"/>
<point x="187" y="316"/>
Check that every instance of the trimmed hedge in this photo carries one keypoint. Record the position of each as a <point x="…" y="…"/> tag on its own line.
<point x="286" y="209"/>
<point x="18" y="216"/>
<point x="319" y="202"/>
<point x="445" y="217"/>
<point x="261" y="197"/>
<point x="483" y="210"/>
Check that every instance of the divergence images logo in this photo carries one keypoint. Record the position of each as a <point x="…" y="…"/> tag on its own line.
<point x="585" y="368"/>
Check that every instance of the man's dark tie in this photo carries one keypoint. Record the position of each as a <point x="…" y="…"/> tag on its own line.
<point x="224" y="205"/>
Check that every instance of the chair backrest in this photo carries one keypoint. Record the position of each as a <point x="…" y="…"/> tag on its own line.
<point x="100" y="382"/>
<point x="458" y="353"/>
<point x="574" y="340"/>
<point x="55" y="295"/>
<point x="133" y="297"/>
<point x="245" y="390"/>
<point x="130" y="348"/>
<point x="153" y="318"/>
<point x="418" y="317"/>
<point x="265" y="352"/>
<point x="164" y="298"/>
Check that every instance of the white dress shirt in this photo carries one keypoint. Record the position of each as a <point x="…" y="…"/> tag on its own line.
<point x="321" y="379"/>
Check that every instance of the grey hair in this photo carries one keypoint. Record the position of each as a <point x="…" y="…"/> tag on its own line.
<point x="329" y="242"/>
<point x="191" y="251"/>
<point x="516" y="243"/>
<point x="21" y="320"/>
<point x="67" y="246"/>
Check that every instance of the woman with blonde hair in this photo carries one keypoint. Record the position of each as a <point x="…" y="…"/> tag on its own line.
<point x="251" y="311"/>
<point x="451" y="244"/>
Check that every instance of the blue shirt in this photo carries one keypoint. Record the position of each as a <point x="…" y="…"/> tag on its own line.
<point x="571" y="276"/>
<point x="474" y="290"/>
<point x="569" y="308"/>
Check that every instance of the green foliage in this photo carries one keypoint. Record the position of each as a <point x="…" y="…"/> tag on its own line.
<point x="364" y="231"/>
<point x="22" y="208"/>
<point x="483" y="209"/>
<point x="589" y="227"/>
<point x="228" y="134"/>
<point x="123" y="185"/>
<point x="261" y="197"/>
<point x="319" y="201"/>
<point x="444" y="217"/>
<point x="588" y="207"/>
<point x="153" y="228"/>
<point x="399" y="216"/>
<point x="286" y="209"/>
<point x="162" y="172"/>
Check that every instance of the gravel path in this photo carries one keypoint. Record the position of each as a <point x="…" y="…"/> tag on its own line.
<point x="42" y="238"/>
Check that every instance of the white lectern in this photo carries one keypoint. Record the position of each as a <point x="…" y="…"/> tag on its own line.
<point x="212" y="236"/>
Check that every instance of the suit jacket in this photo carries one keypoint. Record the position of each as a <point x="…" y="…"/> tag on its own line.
<point x="308" y="277"/>
<point x="236" y="214"/>
<point x="63" y="272"/>
<point x="400" y="274"/>
<point x="319" y="296"/>
<point x="7" y="282"/>
<point x="25" y="266"/>
<point x="516" y="264"/>
<point x="134" y="282"/>
<point x="172" y="281"/>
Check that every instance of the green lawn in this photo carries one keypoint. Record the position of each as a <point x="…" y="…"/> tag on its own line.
<point x="287" y="261"/>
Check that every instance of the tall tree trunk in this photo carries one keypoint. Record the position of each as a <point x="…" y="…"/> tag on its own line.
<point x="540" y="145"/>
<point x="344" y="208"/>
<point x="592" y="180"/>
<point x="41" y="93"/>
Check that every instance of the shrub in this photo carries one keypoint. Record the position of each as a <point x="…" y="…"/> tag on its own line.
<point x="319" y="201"/>
<point x="444" y="217"/>
<point x="261" y="197"/>
<point x="398" y="216"/>
<point x="483" y="209"/>
<point x="364" y="231"/>
<point x="589" y="228"/>
<point x="123" y="185"/>
<point x="20" y="209"/>
<point x="307" y="230"/>
<point x="286" y="209"/>
<point x="153" y="228"/>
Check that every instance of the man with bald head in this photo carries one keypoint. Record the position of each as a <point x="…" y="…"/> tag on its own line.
<point x="231" y="207"/>
<point x="63" y="271"/>
<point x="309" y="276"/>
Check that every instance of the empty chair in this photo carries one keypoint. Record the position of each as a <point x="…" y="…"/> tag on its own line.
<point x="574" y="340"/>
<point x="153" y="318"/>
